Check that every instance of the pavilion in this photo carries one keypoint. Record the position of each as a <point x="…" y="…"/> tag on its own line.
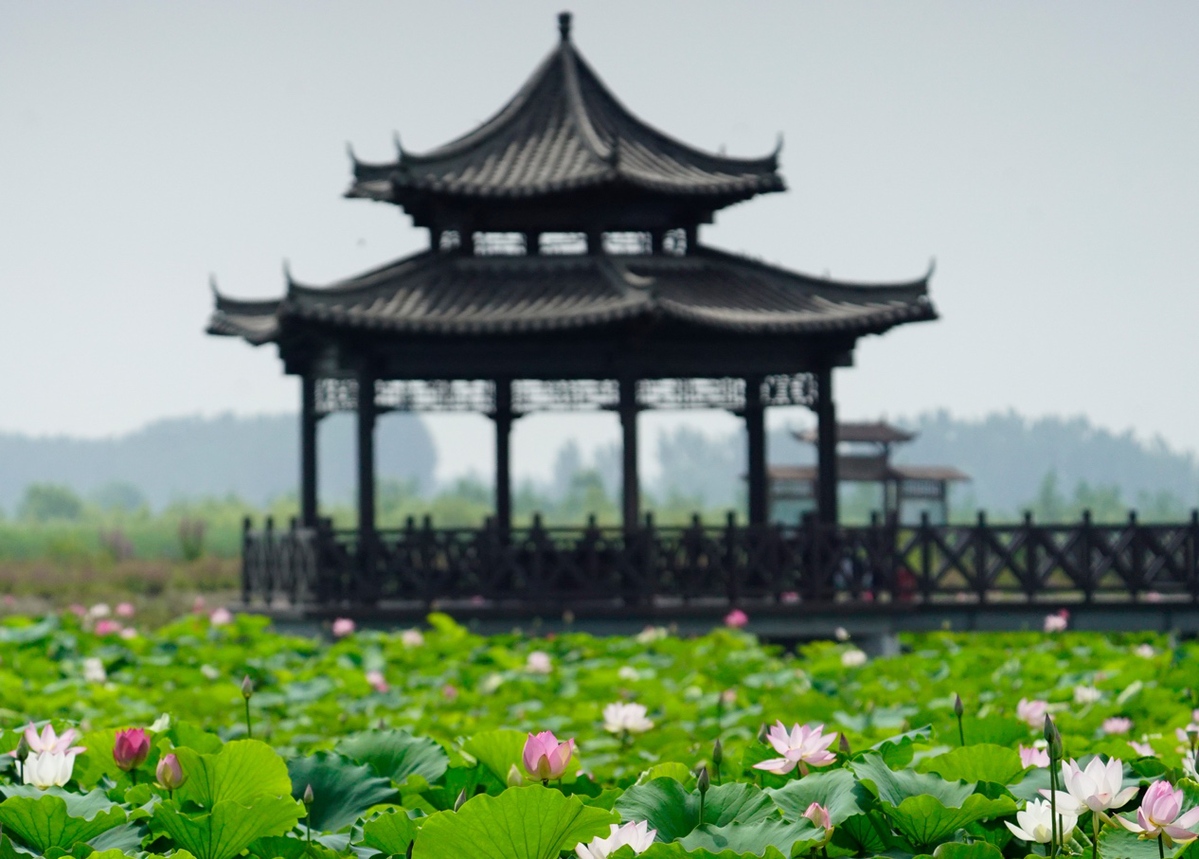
<point x="565" y="270"/>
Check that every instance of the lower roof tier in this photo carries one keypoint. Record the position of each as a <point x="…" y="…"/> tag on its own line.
<point x="457" y="295"/>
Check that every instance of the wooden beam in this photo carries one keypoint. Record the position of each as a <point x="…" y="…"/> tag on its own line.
<point x="366" y="479"/>
<point x="309" y="510"/>
<point x="503" y="418"/>
<point x="826" y="447"/>
<point x="755" y="434"/>
<point x="631" y="489"/>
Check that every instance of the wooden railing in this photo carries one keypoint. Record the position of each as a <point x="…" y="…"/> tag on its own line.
<point x="555" y="569"/>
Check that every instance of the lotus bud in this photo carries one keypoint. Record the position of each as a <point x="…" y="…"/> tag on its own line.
<point x="515" y="779"/>
<point x="1054" y="738"/>
<point x="131" y="749"/>
<point x="247" y="687"/>
<point x="763" y="733"/>
<point x="958" y="708"/>
<point x="170" y="773"/>
<point x="717" y="753"/>
<point x="461" y="800"/>
<point x="309" y="796"/>
<point x="22" y="750"/>
<point x="843" y="744"/>
<point x="702" y="780"/>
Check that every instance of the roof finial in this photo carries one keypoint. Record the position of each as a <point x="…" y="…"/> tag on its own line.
<point x="564" y="25"/>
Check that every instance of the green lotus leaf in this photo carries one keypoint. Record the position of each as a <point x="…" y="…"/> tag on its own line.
<point x="390" y="832"/>
<point x="670" y="769"/>
<point x="59" y="820"/>
<point x="532" y="822"/>
<point x="956" y="850"/>
<point x="397" y="755"/>
<point x="894" y="787"/>
<point x="229" y="828"/>
<point x="771" y="839"/>
<point x="974" y="763"/>
<point x="674" y="811"/>
<point x="925" y="821"/>
<point x="897" y="751"/>
<point x="278" y="847"/>
<point x="1116" y="842"/>
<point x="837" y="790"/>
<point x="239" y="772"/>
<point x="342" y="790"/>
<point x="499" y="751"/>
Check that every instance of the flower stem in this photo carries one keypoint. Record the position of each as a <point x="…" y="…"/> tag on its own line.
<point x="249" y="730"/>
<point x="1054" y="823"/>
<point x="1094" y="835"/>
<point x="133" y="775"/>
<point x="961" y="733"/>
<point x="1161" y="846"/>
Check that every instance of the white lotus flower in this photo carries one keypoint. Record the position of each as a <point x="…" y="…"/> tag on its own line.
<point x="636" y="834"/>
<point x="93" y="670"/>
<point x="620" y="718"/>
<point x="1096" y="788"/>
<point x="539" y="662"/>
<point x="48" y="769"/>
<point x="412" y="638"/>
<point x="1035" y="823"/>
<point x="852" y="658"/>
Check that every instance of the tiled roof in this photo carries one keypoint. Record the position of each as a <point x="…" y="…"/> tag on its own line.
<point x="458" y="294"/>
<point x="562" y="131"/>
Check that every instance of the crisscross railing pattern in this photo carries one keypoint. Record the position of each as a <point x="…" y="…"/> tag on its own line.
<point x="543" y="568"/>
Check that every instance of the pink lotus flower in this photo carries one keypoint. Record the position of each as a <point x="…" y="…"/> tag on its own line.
<point x="170" y="773"/>
<point x="131" y="749"/>
<point x="736" y="618"/>
<point x="1116" y="725"/>
<point x="50" y="742"/>
<point x="539" y="662"/>
<point x="1143" y="749"/>
<point x="1057" y="622"/>
<point x="107" y="627"/>
<point x="1033" y="757"/>
<point x="77" y="610"/>
<point x="125" y="609"/>
<point x="449" y="692"/>
<point x="1159" y="815"/>
<point x="1032" y="712"/>
<point x="544" y="757"/>
<point x="342" y="627"/>
<point x="377" y="680"/>
<point x="802" y="747"/>
<point x="818" y="814"/>
<point x="220" y="617"/>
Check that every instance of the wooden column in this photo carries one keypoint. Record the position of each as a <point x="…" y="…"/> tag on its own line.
<point x="755" y="434"/>
<point x="503" y="418"/>
<point x="826" y="447"/>
<point x="309" y="510"/>
<point x="366" y="474"/>
<point x="631" y="494"/>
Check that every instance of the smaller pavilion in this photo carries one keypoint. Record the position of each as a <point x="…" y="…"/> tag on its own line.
<point x="793" y="488"/>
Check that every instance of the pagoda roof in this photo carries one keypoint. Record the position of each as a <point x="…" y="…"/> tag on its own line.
<point x="875" y="432"/>
<point x="564" y="131"/>
<point x="461" y="295"/>
<point x="860" y="469"/>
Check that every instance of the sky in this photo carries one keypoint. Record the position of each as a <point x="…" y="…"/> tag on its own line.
<point x="1045" y="154"/>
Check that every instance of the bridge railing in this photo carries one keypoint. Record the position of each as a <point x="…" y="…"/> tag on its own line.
<point x="555" y="568"/>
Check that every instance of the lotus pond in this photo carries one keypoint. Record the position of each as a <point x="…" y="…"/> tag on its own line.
<point x="214" y="737"/>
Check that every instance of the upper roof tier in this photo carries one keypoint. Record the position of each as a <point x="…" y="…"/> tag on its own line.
<point x="561" y="134"/>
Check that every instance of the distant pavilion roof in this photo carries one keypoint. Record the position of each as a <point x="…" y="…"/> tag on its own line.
<point x="872" y="432"/>
<point x="456" y="294"/>
<point x="564" y="131"/>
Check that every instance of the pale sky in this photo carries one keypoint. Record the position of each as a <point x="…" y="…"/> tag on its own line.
<point x="1046" y="154"/>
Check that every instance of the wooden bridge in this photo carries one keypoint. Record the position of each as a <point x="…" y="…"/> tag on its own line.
<point x="793" y="581"/>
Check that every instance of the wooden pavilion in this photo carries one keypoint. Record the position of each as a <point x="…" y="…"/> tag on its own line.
<point x="565" y="270"/>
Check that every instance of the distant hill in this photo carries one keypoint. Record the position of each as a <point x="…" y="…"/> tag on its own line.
<point x="1007" y="456"/>
<point x="256" y="458"/>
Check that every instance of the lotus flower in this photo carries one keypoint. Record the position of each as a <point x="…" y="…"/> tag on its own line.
<point x="635" y="834"/>
<point x="1096" y="788"/>
<point x="131" y="749"/>
<point x="736" y="618"/>
<point x="818" y="814"/>
<point x="220" y="617"/>
<point x="1116" y="725"/>
<point x="538" y="662"/>
<point x="412" y="638"/>
<point x="49" y="741"/>
<point x="1159" y="814"/>
<point x="377" y="681"/>
<point x="342" y="627"/>
<point x="802" y="747"/>
<point x="544" y="757"/>
<point x="48" y="769"/>
<point x="107" y="626"/>
<point x="1033" y="757"/>
<point x="1035" y="822"/>
<point x="1057" y="622"/>
<point x="170" y="773"/>
<point x="626" y="718"/>
<point x="853" y="658"/>
<point x="1032" y="712"/>
<point x="93" y="670"/>
<point x="1143" y="749"/>
<point x="1086" y="695"/>
<point x="125" y="609"/>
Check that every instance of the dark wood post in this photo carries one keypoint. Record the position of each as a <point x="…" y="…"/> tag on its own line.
<point x="503" y="418"/>
<point x="826" y="447"/>
<point x="631" y="489"/>
<point x="309" y="510"/>
<point x="755" y="433"/>
<point x="366" y="476"/>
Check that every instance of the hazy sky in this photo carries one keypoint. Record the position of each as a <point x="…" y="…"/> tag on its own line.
<point x="1047" y="154"/>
